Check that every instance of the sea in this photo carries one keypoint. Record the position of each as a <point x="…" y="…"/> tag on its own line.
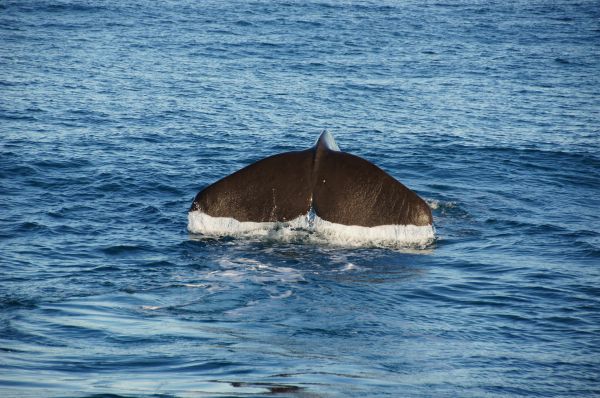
<point x="114" y="114"/>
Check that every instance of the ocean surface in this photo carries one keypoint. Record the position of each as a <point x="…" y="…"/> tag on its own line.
<point x="113" y="115"/>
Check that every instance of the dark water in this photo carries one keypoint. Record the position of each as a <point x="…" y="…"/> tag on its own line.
<point x="114" y="114"/>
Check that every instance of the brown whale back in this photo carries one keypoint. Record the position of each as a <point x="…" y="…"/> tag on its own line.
<point x="276" y="188"/>
<point x="340" y="187"/>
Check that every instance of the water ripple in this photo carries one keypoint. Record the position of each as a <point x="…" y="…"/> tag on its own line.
<point x="114" y="115"/>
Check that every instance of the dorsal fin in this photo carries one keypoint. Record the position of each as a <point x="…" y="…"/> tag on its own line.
<point x="326" y="141"/>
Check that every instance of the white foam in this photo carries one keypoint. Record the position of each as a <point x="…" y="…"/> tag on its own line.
<point x="350" y="267"/>
<point x="439" y="204"/>
<point x="202" y="223"/>
<point x="314" y="228"/>
<point x="381" y="235"/>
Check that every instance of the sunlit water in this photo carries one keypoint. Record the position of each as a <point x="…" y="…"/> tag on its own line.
<point x="113" y="115"/>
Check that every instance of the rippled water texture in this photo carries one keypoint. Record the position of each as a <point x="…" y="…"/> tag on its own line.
<point x="113" y="115"/>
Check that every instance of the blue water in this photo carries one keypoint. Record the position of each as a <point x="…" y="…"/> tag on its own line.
<point x="113" y="115"/>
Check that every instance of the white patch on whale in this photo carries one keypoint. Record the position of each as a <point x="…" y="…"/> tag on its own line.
<point x="316" y="229"/>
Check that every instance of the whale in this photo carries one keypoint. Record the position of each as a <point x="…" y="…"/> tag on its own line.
<point x="326" y="191"/>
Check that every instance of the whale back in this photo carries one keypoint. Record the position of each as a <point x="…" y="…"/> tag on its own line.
<point x="276" y="188"/>
<point x="339" y="187"/>
<point x="350" y="190"/>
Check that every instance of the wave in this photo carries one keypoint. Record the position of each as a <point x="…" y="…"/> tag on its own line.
<point x="62" y="7"/>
